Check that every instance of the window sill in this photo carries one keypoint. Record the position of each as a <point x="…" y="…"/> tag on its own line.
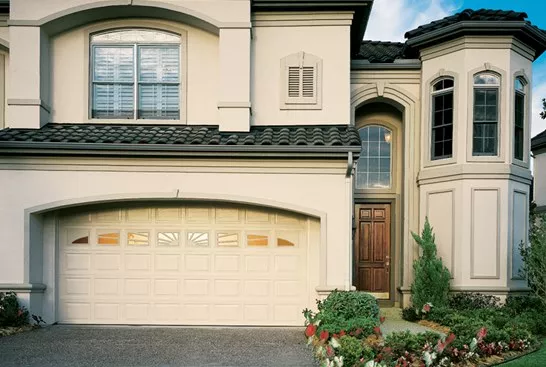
<point x="136" y="122"/>
<point x="485" y="158"/>
<point x="301" y="106"/>
<point x="520" y="163"/>
<point x="440" y="162"/>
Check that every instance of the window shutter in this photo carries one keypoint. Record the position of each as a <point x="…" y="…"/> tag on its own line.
<point x="293" y="82"/>
<point x="308" y="82"/>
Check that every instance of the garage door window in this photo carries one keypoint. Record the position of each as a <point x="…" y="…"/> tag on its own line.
<point x="198" y="239"/>
<point x="138" y="239"/>
<point x="108" y="238"/>
<point x="227" y="239"/>
<point x="257" y="240"/>
<point x="171" y="239"/>
<point x="78" y="236"/>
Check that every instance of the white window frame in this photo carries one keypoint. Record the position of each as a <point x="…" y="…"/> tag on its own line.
<point x="182" y="44"/>
<point x="476" y="87"/>
<point x="525" y="93"/>
<point x="433" y="94"/>
<point x="301" y="60"/>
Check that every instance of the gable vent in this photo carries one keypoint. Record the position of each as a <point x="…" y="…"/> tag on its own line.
<point x="301" y="86"/>
<point x="308" y="82"/>
<point x="293" y="82"/>
<point x="301" y="82"/>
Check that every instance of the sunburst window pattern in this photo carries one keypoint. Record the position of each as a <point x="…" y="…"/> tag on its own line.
<point x="227" y="239"/>
<point x="168" y="239"/>
<point x="108" y="238"/>
<point x="256" y="240"/>
<point x="198" y="239"/>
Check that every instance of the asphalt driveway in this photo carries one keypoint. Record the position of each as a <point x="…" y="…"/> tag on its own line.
<point x="61" y="345"/>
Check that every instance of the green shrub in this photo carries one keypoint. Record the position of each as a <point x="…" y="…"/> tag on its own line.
<point x="352" y="350"/>
<point x="472" y="301"/>
<point x="534" y="321"/>
<point x="11" y="313"/>
<point x="431" y="282"/>
<point x="410" y="314"/>
<point x="403" y="341"/>
<point x="517" y="304"/>
<point x="440" y="314"/>
<point x="360" y="326"/>
<point x="534" y="257"/>
<point x="348" y="305"/>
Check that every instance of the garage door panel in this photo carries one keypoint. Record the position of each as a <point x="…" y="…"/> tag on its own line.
<point x="194" y="265"/>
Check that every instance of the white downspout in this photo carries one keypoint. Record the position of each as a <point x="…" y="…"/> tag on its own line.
<point x="349" y="200"/>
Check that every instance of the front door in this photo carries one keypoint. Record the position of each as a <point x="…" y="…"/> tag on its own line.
<point x="372" y="249"/>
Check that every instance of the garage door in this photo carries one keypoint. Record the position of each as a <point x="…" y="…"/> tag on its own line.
<point x="191" y="265"/>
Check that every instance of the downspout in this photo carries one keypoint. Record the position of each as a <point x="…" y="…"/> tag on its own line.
<point x="349" y="222"/>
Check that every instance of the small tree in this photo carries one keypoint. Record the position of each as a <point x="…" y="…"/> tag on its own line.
<point x="543" y="113"/>
<point x="432" y="278"/>
<point x="534" y="256"/>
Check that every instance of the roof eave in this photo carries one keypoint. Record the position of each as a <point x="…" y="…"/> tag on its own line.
<point x="520" y="29"/>
<point x="404" y="64"/>
<point x="170" y="150"/>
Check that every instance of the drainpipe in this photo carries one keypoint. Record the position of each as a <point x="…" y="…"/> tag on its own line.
<point x="349" y="222"/>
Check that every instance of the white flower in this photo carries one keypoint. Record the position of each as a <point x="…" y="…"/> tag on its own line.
<point x="338" y="360"/>
<point x="334" y="343"/>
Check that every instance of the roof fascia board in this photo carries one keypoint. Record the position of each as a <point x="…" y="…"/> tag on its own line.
<point x="405" y="64"/>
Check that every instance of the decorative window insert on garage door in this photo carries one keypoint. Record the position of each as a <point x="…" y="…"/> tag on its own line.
<point x="183" y="265"/>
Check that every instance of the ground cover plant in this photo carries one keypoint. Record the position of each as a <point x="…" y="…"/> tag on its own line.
<point x="13" y="317"/>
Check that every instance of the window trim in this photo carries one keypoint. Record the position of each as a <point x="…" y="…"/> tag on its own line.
<point x="526" y="105"/>
<point x="300" y="60"/>
<point x="147" y="24"/>
<point x="501" y="74"/>
<point x="433" y="94"/>
<point x="427" y="129"/>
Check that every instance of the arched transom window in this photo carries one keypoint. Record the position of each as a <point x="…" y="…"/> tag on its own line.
<point x="135" y="74"/>
<point x="375" y="163"/>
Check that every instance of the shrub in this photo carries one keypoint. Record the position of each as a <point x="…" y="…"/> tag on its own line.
<point x="431" y="283"/>
<point x="359" y="327"/>
<point x="348" y="305"/>
<point x="410" y="314"/>
<point x="352" y="350"/>
<point x="534" y="257"/>
<point x="472" y="301"/>
<point x="405" y="341"/>
<point x="516" y="304"/>
<point x="11" y="314"/>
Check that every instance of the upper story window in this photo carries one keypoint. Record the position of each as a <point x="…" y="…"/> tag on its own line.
<point x="486" y="114"/>
<point x="135" y="75"/>
<point x="301" y="82"/>
<point x="442" y="119"/>
<point x="519" y="117"/>
<point x="374" y="166"/>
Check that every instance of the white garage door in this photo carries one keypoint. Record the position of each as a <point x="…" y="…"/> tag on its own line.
<point x="191" y="265"/>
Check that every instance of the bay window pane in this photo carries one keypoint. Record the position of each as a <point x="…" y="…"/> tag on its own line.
<point x="158" y="64"/>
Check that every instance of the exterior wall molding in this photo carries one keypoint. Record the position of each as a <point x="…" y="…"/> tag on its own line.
<point x="391" y="76"/>
<point x="302" y="19"/>
<point x="28" y="102"/>
<point x="453" y="223"/>
<point x="406" y="64"/>
<point x="23" y="287"/>
<point x="511" y="232"/>
<point x="426" y="156"/>
<point x="472" y="230"/>
<point x="195" y="18"/>
<point x="464" y="172"/>
<point x="477" y="42"/>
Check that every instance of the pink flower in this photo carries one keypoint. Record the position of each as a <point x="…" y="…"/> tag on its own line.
<point x="482" y="333"/>
<point x="382" y="319"/>
<point x="310" y="330"/>
<point x="377" y="330"/>
<point x="426" y="307"/>
<point x="324" y="335"/>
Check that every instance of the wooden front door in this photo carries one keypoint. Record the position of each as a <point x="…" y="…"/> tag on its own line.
<point x="372" y="249"/>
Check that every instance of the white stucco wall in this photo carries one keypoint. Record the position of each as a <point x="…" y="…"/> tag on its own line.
<point x="540" y="179"/>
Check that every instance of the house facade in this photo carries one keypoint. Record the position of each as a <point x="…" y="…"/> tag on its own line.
<point x="228" y="162"/>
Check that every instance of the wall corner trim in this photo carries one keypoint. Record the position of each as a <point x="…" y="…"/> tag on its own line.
<point x="23" y="287"/>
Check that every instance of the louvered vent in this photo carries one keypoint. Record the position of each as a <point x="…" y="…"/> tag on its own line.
<point x="293" y="82"/>
<point x="301" y="82"/>
<point x="308" y="82"/>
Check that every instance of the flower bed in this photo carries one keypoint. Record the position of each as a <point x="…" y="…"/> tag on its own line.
<point x="475" y="334"/>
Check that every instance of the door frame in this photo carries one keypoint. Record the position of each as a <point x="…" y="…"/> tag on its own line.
<point x="393" y="260"/>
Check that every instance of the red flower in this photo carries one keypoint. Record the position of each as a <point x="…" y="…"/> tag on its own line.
<point x="310" y="330"/>
<point x="377" y="330"/>
<point x="342" y="332"/>
<point x="329" y="351"/>
<point x="382" y="319"/>
<point x="358" y="331"/>
<point x="324" y="335"/>
<point x="450" y="338"/>
<point x="426" y="307"/>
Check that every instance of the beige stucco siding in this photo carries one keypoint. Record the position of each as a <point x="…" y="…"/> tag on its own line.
<point x="271" y="44"/>
<point x="540" y="179"/>
<point x="199" y="69"/>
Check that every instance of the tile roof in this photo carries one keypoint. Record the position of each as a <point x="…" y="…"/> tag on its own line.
<point x="383" y="52"/>
<point x="182" y="137"/>
<point x="539" y="141"/>
<point x="468" y="15"/>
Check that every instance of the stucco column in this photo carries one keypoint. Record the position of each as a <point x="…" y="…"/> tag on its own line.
<point x="234" y="95"/>
<point x="28" y="93"/>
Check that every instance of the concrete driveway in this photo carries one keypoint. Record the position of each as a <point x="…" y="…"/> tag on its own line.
<point x="154" y="346"/>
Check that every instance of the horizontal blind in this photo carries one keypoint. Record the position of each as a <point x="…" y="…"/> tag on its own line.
<point x="113" y="82"/>
<point x="159" y="82"/>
